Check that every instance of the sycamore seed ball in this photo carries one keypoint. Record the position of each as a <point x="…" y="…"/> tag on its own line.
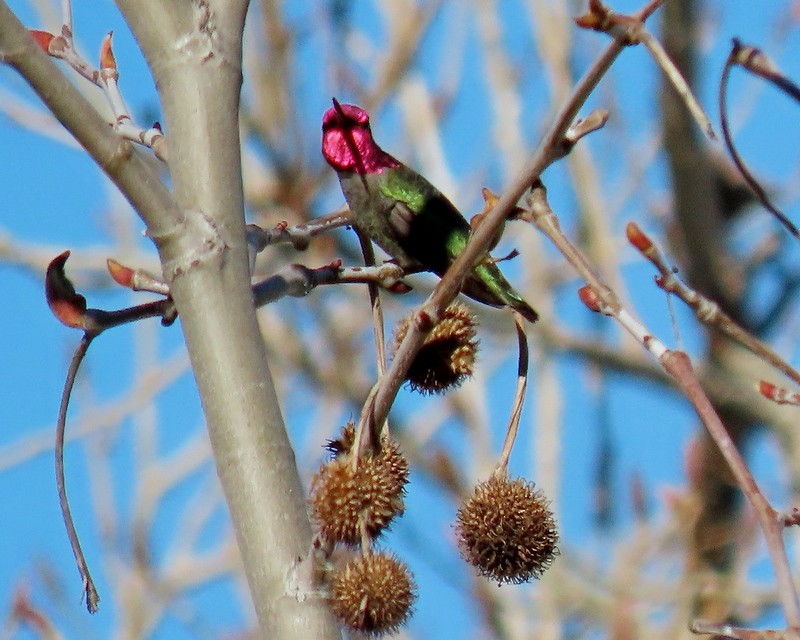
<point x="373" y="594"/>
<point x="351" y="500"/>
<point x="447" y="357"/>
<point x="507" y="531"/>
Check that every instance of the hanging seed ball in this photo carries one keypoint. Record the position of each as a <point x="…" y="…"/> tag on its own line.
<point x="507" y="531"/>
<point x="373" y="593"/>
<point x="348" y="498"/>
<point x="447" y="357"/>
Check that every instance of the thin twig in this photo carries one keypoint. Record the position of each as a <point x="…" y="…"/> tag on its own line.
<point x="66" y="15"/>
<point x="297" y="280"/>
<point x="375" y="303"/>
<point x="89" y="590"/>
<point x="758" y="190"/>
<point x="299" y="235"/>
<point x="678" y="82"/>
<point x="740" y="633"/>
<point x="707" y="311"/>
<point x="519" y="397"/>
<point x="631" y="30"/>
<point x="600" y="298"/>
<point x="679" y="366"/>
<point x="550" y="149"/>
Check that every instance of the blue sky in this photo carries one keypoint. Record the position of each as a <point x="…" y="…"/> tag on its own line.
<point x="55" y="198"/>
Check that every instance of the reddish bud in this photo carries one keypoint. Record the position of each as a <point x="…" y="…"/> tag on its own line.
<point x="590" y="299"/>
<point x="107" y="60"/>
<point x="767" y="389"/>
<point x="637" y="237"/>
<point x="399" y="287"/>
<point x="66" y="304"/>
<point x="489" y="197"/>
<point x="122" y="275"/>
<point x="792" y="518"/>
<point x="490" y="200"/>
<point x="778" y="395"/>
<point x="475" y="221"/>
<point x="589" y="21"/>
<point x="753" y="59"/>
<point x="43" y="39"/>
<point x="595" y="18"/>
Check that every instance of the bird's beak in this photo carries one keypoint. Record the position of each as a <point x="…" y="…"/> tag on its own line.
<point x="338" y="108"/>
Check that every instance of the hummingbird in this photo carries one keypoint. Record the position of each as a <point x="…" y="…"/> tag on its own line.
<point x="403" y="213"/>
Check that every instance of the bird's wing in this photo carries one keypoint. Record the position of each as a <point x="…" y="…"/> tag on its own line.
<point x="422" y="221"/>
<point x="399" y="217"/>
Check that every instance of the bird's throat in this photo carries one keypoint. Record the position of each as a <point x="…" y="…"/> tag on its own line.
<point x="355" y="150"/>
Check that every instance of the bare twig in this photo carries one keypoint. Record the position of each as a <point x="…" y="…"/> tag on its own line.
<point x="740" y="53"/>
<point x="679" y="366"/>
<point x="131" y="172"/>
<point x="295" y="280"/>
<point x="631" y="30"/>
<point x="600" y="298"/>
<point x="778" y="395"/>
<point x="89" y="590"/>
<point x="519" y="396"/>
<point x="549" y="150"/>
<point x="678" y="82"/>
<point x="298" y="280"/>
<point x="740" y="633"/>
<point x="707" y="311"/>
<point x="299" y="235"/>
<point x="374" y="303"/>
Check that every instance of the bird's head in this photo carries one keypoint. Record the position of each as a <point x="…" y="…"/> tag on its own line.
<point x="347" y="141"/>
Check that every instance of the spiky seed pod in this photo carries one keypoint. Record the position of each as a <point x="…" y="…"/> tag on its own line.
<point x="507" y="531"/>
<point x="347" y="498"/>
<point x="393" y="460"/>
<point x="389" y="451"/>
<point x="447" y="357"/>
<point x="373" y="593"/>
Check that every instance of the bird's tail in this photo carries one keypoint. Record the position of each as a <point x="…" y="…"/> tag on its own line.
<point x="487" y="284"/>
<point x="523" y="307"/>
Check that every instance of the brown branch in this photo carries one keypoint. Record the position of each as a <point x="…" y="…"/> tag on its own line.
<point x="740" y="633"/>
<point x="550" y="149"/>
<point x="130" y="171"/>
<point x="519" y="396"/>
<point x="600" y="298"/>
<point x="298" y="280"/>
<point x="678" y="365"/>
<point x="738" y="52"/>
<point x="375" y="303"/>
<point x="707" y="311"/>
<point x="89" y="590"/>
<point x="299" y="235"/>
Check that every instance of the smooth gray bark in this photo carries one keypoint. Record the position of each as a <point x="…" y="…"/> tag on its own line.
<point x="194" y="52"/>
